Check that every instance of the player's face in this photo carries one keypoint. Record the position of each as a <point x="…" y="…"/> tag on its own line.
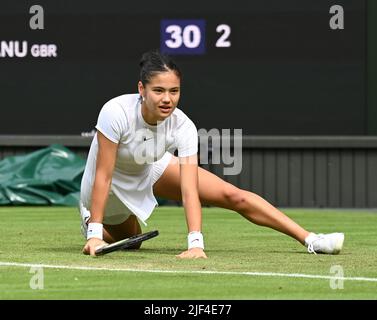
<point x="161" y="95"/>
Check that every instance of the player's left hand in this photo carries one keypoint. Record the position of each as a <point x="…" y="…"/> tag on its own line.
<point x="193" y="253"/>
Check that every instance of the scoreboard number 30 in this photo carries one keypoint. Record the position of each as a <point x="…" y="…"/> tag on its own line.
<point x="188" y="36"/>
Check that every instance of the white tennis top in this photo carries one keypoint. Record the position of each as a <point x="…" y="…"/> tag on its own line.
<point x="140" y="144"/>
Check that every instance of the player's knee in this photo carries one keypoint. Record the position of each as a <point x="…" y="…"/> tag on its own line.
<point x="236" y="198"/>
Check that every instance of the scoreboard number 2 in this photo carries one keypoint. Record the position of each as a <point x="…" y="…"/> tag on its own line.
<point x="223" y="41"/>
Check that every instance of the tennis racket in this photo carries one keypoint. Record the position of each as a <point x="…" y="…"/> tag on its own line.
<point x="126" y="243"/>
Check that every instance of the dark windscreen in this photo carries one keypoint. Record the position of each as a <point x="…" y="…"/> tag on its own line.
<point x="268" y="67"/>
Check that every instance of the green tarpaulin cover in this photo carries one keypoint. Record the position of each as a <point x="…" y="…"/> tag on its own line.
<point x="49" y="176"/>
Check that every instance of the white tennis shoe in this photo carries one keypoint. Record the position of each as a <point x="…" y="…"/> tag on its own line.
<point x="85" y="216"/>
<point x="330" y="243"/>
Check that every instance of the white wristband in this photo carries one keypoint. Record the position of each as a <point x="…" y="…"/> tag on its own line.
<point x="95" y="230"/>
<point x="195" y="240"/>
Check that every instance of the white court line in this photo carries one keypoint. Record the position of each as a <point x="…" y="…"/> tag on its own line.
<point x="262" y="274"/>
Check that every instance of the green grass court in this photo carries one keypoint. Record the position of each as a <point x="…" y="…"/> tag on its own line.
<point x="245" y="261"/>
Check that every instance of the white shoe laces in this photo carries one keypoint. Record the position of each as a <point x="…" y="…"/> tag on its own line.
<point x="311" y="244"/>
<point x="311" y="248"/>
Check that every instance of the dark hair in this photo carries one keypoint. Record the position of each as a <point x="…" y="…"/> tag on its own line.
<point x="153" y="62"/>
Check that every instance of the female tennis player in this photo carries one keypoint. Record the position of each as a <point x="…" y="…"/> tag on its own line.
<point x="131" y="162"/>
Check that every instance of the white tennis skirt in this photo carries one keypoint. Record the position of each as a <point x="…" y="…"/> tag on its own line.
<point x="115" y="211"/>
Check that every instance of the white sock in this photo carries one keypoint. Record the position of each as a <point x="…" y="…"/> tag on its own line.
<point x="309" y="238"/>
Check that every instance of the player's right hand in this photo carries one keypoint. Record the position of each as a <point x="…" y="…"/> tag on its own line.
<point x="91" y="246"/>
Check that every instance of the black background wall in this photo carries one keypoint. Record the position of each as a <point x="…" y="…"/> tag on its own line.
<point x="286" y="71"/>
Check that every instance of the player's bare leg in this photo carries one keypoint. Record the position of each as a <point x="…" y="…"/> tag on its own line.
<point x="128" y="228"/>
<point x="217" y="192"/>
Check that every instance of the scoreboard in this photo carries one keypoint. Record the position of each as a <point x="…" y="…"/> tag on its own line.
<point x="268" y="67"/>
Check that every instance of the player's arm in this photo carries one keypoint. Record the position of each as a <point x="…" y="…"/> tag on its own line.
<point x="106" y="156"/>
<point x="191" y="202"/>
